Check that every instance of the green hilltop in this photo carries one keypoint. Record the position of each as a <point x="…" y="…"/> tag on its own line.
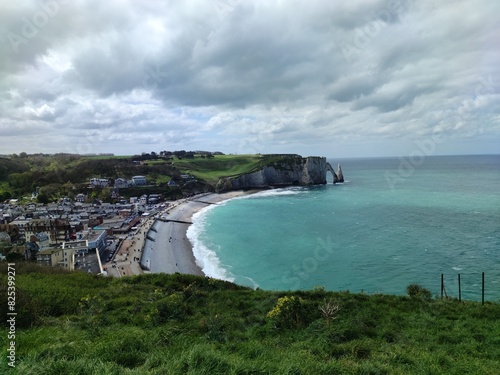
<point x="61" y="175"/>
<point x="76" y="323"/>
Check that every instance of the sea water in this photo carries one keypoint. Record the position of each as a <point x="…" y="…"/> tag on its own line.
<point x="394" y="222"/>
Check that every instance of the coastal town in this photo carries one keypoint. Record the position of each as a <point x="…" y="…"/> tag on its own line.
<point x="94" y="237"/>
<point x="126" y="238"/>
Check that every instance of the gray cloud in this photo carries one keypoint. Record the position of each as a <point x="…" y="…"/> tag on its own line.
<point x="241" y="76"/>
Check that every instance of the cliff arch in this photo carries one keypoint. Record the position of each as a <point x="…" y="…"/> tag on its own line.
<point x="329" y="168"/>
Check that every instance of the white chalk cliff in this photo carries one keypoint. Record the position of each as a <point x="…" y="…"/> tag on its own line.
<point x="290" y="171"/>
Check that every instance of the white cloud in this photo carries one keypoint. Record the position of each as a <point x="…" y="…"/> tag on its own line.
<point x="248" y="76"/>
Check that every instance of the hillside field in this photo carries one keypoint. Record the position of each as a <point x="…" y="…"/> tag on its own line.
<point x="75" y="323"/>
<point x="67" y="175"/>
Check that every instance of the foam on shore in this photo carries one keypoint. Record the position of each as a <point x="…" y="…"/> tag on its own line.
<point x="276" y="192"/>
<point x="206" y="258"/>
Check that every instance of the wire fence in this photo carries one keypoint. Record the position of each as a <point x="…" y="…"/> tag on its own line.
<point x="470" y="286"/>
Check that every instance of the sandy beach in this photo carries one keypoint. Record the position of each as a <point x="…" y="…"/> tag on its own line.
<point x="166" y="246"/>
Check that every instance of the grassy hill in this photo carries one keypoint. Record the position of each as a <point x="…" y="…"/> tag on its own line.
<point x="211" y="170"/>
<point x="68" y="175"/>
<point x="74" y="323"/>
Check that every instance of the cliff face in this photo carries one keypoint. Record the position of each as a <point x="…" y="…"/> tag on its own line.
<point x="288" y="172"/>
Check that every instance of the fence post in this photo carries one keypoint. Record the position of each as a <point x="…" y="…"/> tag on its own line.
<point x="482" y="289"/>
<point x="459" y="290"/>
<point x="442" y="286"/>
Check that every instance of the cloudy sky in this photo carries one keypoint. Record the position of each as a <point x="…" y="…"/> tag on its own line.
<point x="318" y="77"/>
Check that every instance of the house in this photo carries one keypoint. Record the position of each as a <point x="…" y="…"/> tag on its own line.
<point x="50" y="257"/>
<point x="121" y="183"/>
<point x="80" y="198"/>
<point x="143" y="199"/>
<point x="15" y="228"/>
<point x="57" y="230"/>
<point x="99" y="182"/>
<point x="154" y="198"/>
<point x="41" y="239"/>
<point x="139" y="180"/>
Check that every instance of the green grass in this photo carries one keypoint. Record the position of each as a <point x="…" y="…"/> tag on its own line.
<point x="182" y="324"/>
<point x="211" y="170"/>
<point x="105" y="157"/>
<point x="67" y="175"/>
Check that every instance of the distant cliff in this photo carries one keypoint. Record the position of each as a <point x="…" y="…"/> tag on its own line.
<point x="292" y="170"/>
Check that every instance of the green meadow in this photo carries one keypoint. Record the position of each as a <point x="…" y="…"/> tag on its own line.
<point x="211" y="170"/>
<point x="75" y="323"/>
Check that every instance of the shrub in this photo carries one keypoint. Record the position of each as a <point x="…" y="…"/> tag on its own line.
<point x="329" y="310"/>
<point x="417" y="291"/>
<point x="288" y="312"/>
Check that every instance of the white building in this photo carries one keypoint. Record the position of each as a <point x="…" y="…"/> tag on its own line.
<point x="139" y="180"/>
<point x="99" y="182"/>
<point x="91" y="239"/>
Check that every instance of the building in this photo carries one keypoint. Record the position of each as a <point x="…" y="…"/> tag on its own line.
<point x="15" y="228"/>
<point x="139" y="180"/>
<point x="50" y="257"/>
<point x="154" y="198"/>
<point x="125" y="212"/>
<point x="41" y="239"/>
<point x="80" y="198"/>
<point x="99" y="182"/>
<point x="96" y="239"/>
<point x="121" y="183"/>
<point x="57" y="230"/>
<point x="91" y="239"/>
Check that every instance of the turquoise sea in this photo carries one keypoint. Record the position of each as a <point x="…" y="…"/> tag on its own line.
<point x="395" y="221"/>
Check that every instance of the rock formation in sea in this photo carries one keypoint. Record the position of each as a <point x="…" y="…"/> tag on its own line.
<point x="293" y="170"/>
<point x="340" y="176"/>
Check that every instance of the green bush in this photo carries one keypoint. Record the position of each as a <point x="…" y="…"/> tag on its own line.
<point x="417" y="291"/>
<point x="288" y="312"/>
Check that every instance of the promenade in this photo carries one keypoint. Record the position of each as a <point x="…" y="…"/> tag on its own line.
<point x="161" y="245"/>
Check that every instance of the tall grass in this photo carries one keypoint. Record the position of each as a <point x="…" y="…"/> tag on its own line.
<point x="182" y="324"/>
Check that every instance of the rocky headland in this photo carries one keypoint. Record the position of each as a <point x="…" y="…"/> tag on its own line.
<point x="292" y="170"/>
